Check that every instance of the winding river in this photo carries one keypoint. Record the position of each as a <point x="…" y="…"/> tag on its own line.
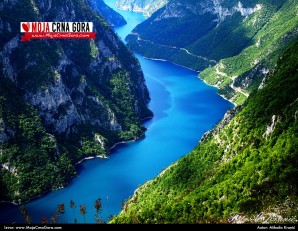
<point x="184" y="108"/>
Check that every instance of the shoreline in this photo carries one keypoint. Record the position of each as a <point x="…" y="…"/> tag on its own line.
<point x="50" y="190"/>
<point x="164" y="60"/>
<point x="28" y="201"/>
<point x="122" y="142"/>
<point x="9" y="202"/>
<point x="198" y="72"/>
<point x="235" y="105"/>
<point x="90" y="158"/>
<point x="143" y="120"/>
<point x="77" y="163"/>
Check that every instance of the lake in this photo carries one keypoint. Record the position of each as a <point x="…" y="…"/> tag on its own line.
<point x="184" y="109"/>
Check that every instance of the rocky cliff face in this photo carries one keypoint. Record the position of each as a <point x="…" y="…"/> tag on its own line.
<point x="111" y="16"/>
<point x="62" y="100"/>
<point x="148" y="7"/>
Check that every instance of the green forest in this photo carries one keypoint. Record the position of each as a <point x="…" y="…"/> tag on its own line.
<point x="231" y="50"/>
<point x="60" y="104"/>
<point x="246" y="166"/>
<point x="64" y="101"/>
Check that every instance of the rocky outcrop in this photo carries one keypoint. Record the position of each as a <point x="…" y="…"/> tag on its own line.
<point x="271" y="126"/>
<point x="229" y="115"/>
<point x="112" y="17"/>
<point x="58" y="92"/>
<point x="147" y="7"/>
<point x="179" y="9"/>
<point x="63" y="100"/>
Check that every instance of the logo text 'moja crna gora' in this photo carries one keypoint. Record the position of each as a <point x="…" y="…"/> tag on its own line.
<point x="48" y="27"/>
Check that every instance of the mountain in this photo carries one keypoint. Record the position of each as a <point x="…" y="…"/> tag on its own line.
<point x="147" y="7"/>
<point x="233" y="44"/>
<point x="62" y="100"/>
<point x="111" y="16"/>
<point x="245" y="170"/>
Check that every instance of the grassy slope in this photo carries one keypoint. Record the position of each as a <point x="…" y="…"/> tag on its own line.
<point x="237" y="170"/>
<point x="243" y="47"/>
<point x="269" y="34"/>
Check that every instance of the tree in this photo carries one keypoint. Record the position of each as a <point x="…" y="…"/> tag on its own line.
<point x="97" y="206"/>
<point x="60" y="209"/>
<point x="44" y="220"/>
<point x="83" y="211"/>
<point x="25" y="214"/>
<point x="54" y="219"/>
<point x="72" y="205"/>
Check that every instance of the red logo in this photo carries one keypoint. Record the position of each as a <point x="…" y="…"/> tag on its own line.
<point x="26" y="26"/>
<point x="57" y="30"/>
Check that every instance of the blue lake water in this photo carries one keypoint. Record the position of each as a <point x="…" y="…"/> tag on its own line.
<point x="184" y="108"/>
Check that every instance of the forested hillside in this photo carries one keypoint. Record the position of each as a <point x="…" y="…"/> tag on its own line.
<point x="245" y="170"/>
<point x="234" y="44"/>
<point x="62" y="100"/>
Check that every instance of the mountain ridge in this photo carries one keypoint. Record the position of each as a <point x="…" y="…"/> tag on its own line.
<point x="147" y="7"/>
<point x="62" y="100"/>
<point x="243" y="171"/>
<point x="111" y="16"/>
<point x="213" y="34"/>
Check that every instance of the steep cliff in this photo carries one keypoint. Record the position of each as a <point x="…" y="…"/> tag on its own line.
<point x="62" y="100"/>
<point x="234" y="43"/>
<point x="111" y="16"/>
<point x="147" y="7"/>
<point x="245" y="170"/>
